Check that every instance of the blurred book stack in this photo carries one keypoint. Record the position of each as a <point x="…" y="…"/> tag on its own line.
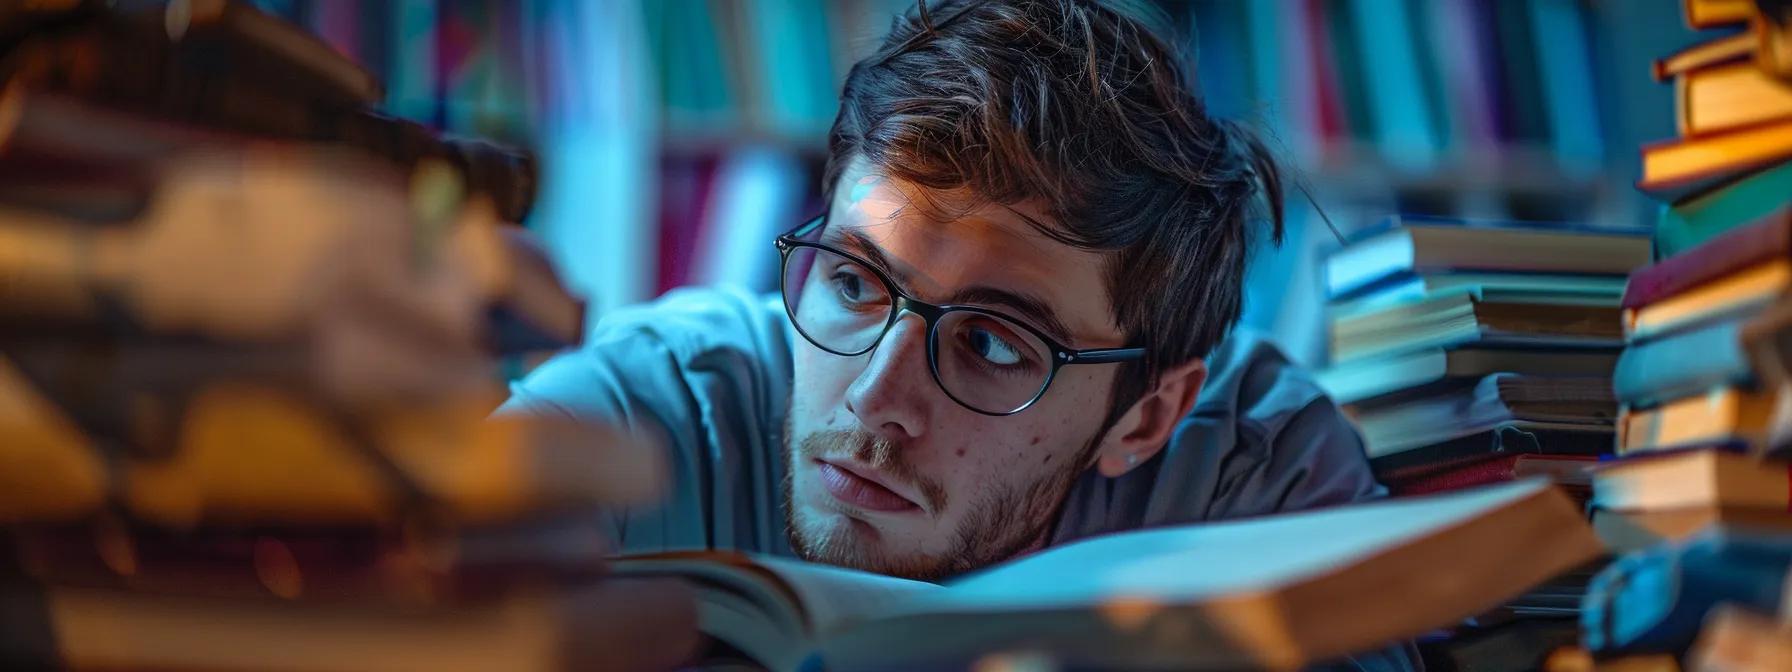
<point x="1733" y="108"/>
<point x="1476" y="352"/>
<point x="248" y="345"/>
<point x="1472" y="353"/>
<point x="1702" y="381"/>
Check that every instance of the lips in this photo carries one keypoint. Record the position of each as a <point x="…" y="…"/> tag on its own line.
<point x="858" y="491"/>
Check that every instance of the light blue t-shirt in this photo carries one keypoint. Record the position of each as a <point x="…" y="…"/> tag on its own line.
<point x="710" y="370"/>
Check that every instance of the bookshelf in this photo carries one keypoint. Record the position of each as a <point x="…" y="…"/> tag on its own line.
<point x="1527" y="109"/>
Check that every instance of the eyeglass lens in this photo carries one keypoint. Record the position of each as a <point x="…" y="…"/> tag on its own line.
<point x="984" y="361"/>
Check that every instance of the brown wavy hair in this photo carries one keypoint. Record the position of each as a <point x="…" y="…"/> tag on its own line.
<point x="1090" y="108"/>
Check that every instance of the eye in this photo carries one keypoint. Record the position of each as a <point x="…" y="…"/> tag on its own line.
<point x="991" y="347"/>
<point x="853" y="287"/>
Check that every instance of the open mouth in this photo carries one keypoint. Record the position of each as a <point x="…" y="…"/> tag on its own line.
<point x="858" y="491"/>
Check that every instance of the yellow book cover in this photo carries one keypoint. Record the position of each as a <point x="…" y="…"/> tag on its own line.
<point x="1675" y="163"/>
<point x="1756" y="284"/>
<point x="1727" y="97"/>
<point x="1701" y="14"/>
<point x="1705" y="54"/>
<point x="1725" y="413"/>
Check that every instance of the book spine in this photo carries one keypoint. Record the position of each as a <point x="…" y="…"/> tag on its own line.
<point x="1739" y="294"/>
<point x="1497" y="470"/>
<point x="1725" y="415"/>
<point x="1768" y="237"/>
<point x="1395" y="109"/>
<point x="1702" y="14"/>
<point x="1677" y="170"/>
<point x="1768" y="341"/>
<point x="1566" y="72"/>
<point x="1681" y="365"/>
<point x="1504" y="441"/>
<point x="67" y="477"/>
<point x="1716" y="52"/>
<point x="1728" y="97"/>
<point x="364" y="564"/>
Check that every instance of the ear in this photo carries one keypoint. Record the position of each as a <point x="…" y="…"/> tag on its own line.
<point x="1145" y="427"/>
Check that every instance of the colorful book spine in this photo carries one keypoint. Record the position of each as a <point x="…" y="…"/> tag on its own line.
<point x="1683" y="226"/>
<point x="1727" y="416"/>
<point x="1677" y="170"/>
<point x="1568" y="87"/>
<point x="1725" y="253"/>
<point x="1392" y="84"/>
<point x="1729" y="97"/>
<point x="1682" y="365"/>
<point x="1702" y="14"/>
<point x="1742" y="292"/>
<point x="1497" y="470"/>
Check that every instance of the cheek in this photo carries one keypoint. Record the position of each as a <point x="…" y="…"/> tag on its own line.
<point x="819" y="383"/>
<point x="1078" y="399"/>
<point x="1012" y="453"/>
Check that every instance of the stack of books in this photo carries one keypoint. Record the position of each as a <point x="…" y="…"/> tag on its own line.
<point x="1472" y="353"/>
<point x="1702" y="383"/>
<point x="245" y="376"/>
<point x="1733" y="107"/>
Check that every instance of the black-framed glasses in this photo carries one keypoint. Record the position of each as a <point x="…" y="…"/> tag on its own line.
<point x="984" y="360"/>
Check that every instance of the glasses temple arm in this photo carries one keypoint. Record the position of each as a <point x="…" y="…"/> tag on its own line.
<point x="1103" y="355"/>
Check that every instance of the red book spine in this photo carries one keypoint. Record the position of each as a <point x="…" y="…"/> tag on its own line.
<point x="1483" y="472"/>
<point x="1496" y="470"/>
<point x="1768" y="238"/>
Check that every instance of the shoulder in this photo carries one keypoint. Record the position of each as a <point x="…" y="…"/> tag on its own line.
<point x="706" y="371"/>
<point x="1250" y="377"/>
<point x="696" y="320"/>
<point x="1264" y="438"/>
<point x="722" y="340"/>
<point x="1279" y="442"/>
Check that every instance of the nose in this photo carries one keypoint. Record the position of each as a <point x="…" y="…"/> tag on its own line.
<point x="889" y="397"/>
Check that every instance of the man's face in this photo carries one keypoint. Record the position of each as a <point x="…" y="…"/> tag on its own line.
<point x="889" y="474"/>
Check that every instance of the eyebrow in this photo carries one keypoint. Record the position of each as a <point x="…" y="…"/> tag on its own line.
<point x="1028" y="305"/>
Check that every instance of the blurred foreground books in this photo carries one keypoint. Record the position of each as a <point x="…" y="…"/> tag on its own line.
<point x="248" y="350"/>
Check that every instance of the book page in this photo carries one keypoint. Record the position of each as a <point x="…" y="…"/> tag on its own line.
<point x="835" y="595"/>
<point x="1197" y="562"/>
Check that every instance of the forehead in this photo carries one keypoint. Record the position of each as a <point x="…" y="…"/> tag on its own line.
<point x="991" y="246"/>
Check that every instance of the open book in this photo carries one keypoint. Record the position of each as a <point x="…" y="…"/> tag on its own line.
<point x="1277" y="592"/>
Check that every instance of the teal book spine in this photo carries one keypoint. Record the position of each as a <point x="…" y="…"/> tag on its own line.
<point x="1526" y="122"/>
<point x="1347" y="65"/>
<point x="1391" y="89"/>
<point x="1566" y="72"/>
<point x="1682" y="365"/>
<point x="1684" y="226"/>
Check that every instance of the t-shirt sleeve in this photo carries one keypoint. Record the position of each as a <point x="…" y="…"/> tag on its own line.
<point x="1293" y="448"/>
<point x="704" y="371"/>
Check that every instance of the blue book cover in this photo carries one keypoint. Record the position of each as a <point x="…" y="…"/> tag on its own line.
<point x="1682" y="365"/>
<point x="1396" y="101"/>
<point x="1404" y="220"/>
<point x="1379" y="254"/>
<point x="1658" y="600"/>
<point x="1566" y="72"/>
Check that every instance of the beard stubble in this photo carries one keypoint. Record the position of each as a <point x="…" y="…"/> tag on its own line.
<point x="1003" y="521"/>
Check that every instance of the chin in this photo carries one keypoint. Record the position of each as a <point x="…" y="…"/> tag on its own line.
<point x="828" y="535"/>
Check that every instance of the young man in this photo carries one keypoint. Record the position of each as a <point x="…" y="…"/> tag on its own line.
<point x="1009" y="329"/>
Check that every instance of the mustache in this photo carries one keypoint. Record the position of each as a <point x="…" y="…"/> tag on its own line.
<point x="880" y="454"/>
